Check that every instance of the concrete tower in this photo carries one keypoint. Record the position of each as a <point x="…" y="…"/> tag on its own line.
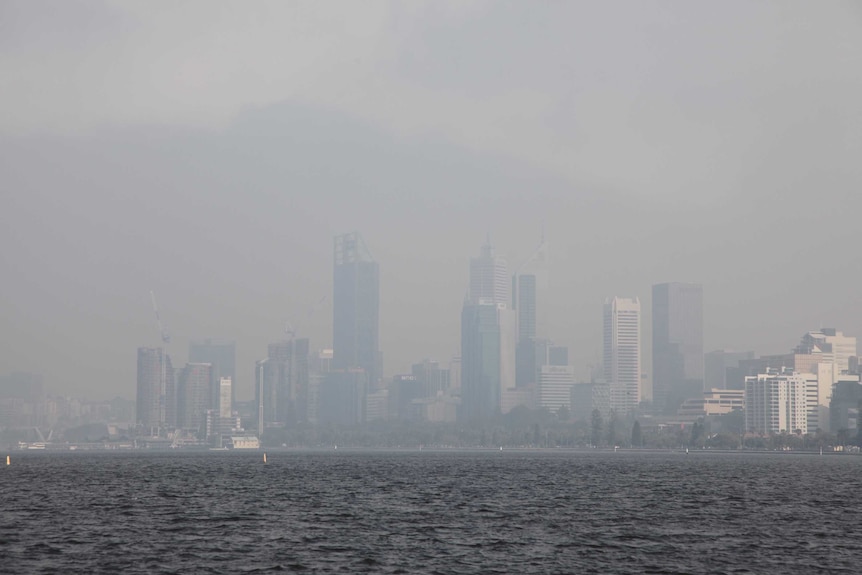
<point x="622" y="352"/>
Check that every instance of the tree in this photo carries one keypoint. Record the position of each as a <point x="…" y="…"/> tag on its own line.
<point x="637" y="436"/>
<point x="564" y="414"/>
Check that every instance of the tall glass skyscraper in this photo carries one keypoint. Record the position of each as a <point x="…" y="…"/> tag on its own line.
<point x="356" y="306"/>
<point x="155" y="390"/>
<point x="193" y="395"/>
<point x="489" y="277"/>
<point x="480" y="361"/>
<point x="677" y="344"/>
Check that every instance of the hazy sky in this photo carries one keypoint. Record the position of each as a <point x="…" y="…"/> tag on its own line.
<point x="209" y="151"/>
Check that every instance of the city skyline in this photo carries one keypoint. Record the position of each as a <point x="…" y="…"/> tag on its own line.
<point x="430" y="286"/>
<point x="201" y="349"/>
<point x="217" y="178"/>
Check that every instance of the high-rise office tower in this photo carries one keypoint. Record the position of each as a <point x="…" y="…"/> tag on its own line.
<point x="526" y="361"/>
<point x="154" y="389"/>
<point x="193" y="395"/>
<point x="282" y="384"/>
<point x="526" y="305"/>
<point x="677" y="344"/>
<point x="433" y="378"/>
<point x="222" y="356"/>
<point x="356" y="303"/>
<point x="555" y="387"/>
<point x="722" y="369"/>
<point x="530" y="354"/>
<point x="489" y="277"/>
<point x="622" y="352"/>
<point x="225" y="404"/>
<point x="480" y="361"/>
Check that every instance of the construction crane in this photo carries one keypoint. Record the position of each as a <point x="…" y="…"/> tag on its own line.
<point x="288" y="327"/>
<point x="166" y="337"/>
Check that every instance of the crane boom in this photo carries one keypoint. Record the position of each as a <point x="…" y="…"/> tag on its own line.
<point x="166" y="337"/>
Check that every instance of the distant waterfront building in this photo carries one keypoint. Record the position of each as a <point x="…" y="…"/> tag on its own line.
<point x="555" y="387"/>
<point x="776" y="402"/>
<point x="455" y="375"/>
<point x="480" y="361"/>
<point x="845" y="405"/>
<point x="282" y="384"/>
<point x="622" y="352"/>
<point x="23" y="403"/>
<point x="155" y="388"/>
<point x="722" y="369"/>
<point x="526" y="305"/>
<point x="356" y="305"/>
<point x="832" y="344"/>
<point x="377" y="405"/>
<point x="222" y="356"/>
<point x="589" y="397"/>
<point x="433" y="378"/>
<point x="825" y="353"/>
<point x="404" y="390"/>
<point x="526" y="396"/>
<point x="714" y="402"/>
<point x="225" y="405"/>
<point x="320" y="365"/>
<point x="342" y="397"/>
<point x="193" y="395"/>
<point x="677" y="342"/>
<point x="271" y="377"/>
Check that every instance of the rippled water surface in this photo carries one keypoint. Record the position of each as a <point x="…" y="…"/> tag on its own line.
<point x="427" y="512"/>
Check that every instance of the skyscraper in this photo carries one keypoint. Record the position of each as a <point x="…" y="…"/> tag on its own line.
<point x="480" y="361"/>
<point x="225" y="404"/>
<point x="222" y="356"/>
<point x="193" y="395"/>
<point x="526" y="360"/>
<point x="282" y="384"/>
<point x="356" y="303"/>
<point x="526" y="305"/>
<point x="154" y="389"/>
<point x="677" y="344"/>
<point x="722" y="369"/>
<point x="622" y="352"/>
<point x="530" y="355"/>
<point x="489" y="277"/>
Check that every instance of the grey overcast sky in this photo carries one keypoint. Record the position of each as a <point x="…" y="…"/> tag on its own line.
<point x="210" y="150"/>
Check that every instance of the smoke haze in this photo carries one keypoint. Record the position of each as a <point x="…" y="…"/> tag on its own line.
<point x="210" y="151"/>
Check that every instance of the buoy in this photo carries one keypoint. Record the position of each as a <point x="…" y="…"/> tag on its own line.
<point x="8" y="460"/>
<point x="264" y="457"/>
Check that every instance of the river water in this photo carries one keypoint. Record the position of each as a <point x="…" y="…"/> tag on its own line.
<point x="431" y="512"/>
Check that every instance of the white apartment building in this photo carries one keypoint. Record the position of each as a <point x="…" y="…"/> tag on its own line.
<point x="777" y="402"/>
